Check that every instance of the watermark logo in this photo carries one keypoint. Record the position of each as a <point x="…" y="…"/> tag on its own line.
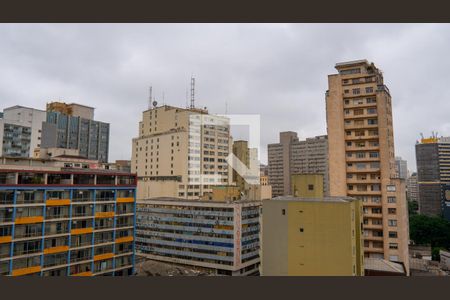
<point x="211" y="160"/>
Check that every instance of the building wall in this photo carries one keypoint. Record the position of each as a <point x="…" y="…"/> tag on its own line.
<point x="64" y="129"/>
<point x="51" y="225"/>
<point x="433" y="176"/>
<point x="308" y="238"/>
<point x="307" y="185"/>
<point x="362" y="159"/>
<point x="226" y="239"/>
<point x="163" y="152"/>
<point x="29" y="120"/>
<point x="292" y="156"/>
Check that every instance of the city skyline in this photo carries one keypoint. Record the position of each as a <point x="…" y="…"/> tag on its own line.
<point x="237" y="67"/>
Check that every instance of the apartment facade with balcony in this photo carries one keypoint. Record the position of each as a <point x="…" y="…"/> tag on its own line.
<point x="58" y="221"/>
<point x="362" y="159"/>
<point x="223" y="237"/>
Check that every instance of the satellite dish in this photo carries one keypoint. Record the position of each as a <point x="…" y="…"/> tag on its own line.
<point x="155" y="103"/>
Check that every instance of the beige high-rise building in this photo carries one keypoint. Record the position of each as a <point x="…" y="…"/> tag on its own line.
<point x="180" y="152"/>
<point x="362" y="157"/>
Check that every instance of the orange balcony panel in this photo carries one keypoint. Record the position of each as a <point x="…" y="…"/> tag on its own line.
<point x="26" y="271"/>
<point x="125" y="200"/>
<point x="5" y="239"/>
<point x="103" y="256"/>
<point x="88" y="273"/>
<point x="108" y="214"/>
<point x="56" y="249"/>
<point x="57" y="202"/>
<point x="124" y="239"/>
<point x="81" y="230"/>
<point x="29" y="220"/>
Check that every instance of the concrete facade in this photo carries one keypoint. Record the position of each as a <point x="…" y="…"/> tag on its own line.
<point x="20" y="131"/>
<point x="292" y="156"/>
<point x="72" y="126"/>
<point x="221" y="236"/>
<point x="412" y="188"/>
<point x="433" y="176"/>
<point x="181" y="153"/>
<point x="312" y="237"/>
<point x="362" y="159"/>
<point x="401" y="166"/>
<point x="57" y="220"/>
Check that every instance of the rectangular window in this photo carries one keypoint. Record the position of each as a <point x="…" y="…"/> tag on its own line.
<point x="369" y="89"/>
<point x="393" y="234"/>
<point x="356" y="91"/>
<point x="392" y="223"/>
<point x="371" y="111"/>
<point x="392" y="200"/>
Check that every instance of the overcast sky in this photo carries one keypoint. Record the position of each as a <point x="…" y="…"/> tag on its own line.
<point x="276" y="70"/>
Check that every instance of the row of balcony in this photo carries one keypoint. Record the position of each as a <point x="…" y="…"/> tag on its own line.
<point x="63" y="178"/>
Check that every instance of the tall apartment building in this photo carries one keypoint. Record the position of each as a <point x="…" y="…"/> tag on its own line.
<point x="312" y="237"/>
<point x="219" y="236"/>
<point x="181" y="152"/>
<point x="20" y="131"/>
<point x="292" y="156"/>
<point x="433" y="176"/>
<point x="401" y="166"/>
<point x="242" y="152"/>
<point x="412" y="188"/>
<point x="65" y="221"/>
<point x="362" y="159"/>
<point x="72" y="126"/>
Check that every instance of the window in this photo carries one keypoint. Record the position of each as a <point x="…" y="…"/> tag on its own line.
<point x="356" y="91"/>
<point x="311" y="187"/>
<point x="350" y="71"/>
<point x="390" y="188"/>
<point x="283" y="212"/>
<point x="393" y="234"/>
<point x="371" y="100"/>
<point x="392" y="211"/>
<point x="358" y="112"/>
<point x="392" y="223"/>
<point x="373" y="154"/>
<point x="393" y="246"/>
<point x="371" y="111"/>
<point x="392" y="200"/>
<point x="369" y="89"/>
<point x="372" y="121"/>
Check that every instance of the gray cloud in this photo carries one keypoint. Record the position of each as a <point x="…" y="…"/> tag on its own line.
<point x="276" y="70"/>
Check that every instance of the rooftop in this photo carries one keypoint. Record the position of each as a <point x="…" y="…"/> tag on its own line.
<point x="377" y="264"/>
<point x="193" y="201"/>
<point x="325" y="199"/>
<point x="351" y="63"/>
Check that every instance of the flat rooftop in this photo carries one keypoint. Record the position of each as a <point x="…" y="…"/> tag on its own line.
<point x="193" y="201"/>
<point x="351" y="63"/>
<point x="324" y="199"/>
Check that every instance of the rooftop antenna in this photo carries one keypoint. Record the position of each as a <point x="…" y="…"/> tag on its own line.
<point x="187" y="97"/>
<point x="192" y="92"/>
<point x="226" y="107"/>
<point x="163" y="102"/>
<point x="150" y="98"/>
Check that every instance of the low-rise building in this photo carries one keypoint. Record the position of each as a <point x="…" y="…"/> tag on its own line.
<point x="312" y="237"/>
<point x="220" y="236"/>
<point x="61" y="220"/>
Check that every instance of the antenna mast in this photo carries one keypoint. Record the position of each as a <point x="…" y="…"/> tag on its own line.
<point x="192" y="92"/>
<point x="150" y="98"/>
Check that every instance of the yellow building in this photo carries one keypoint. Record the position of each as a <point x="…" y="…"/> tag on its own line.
<point x="307" y="185"/>
<point x="362" y="156"/>
<point x="312" y="237"/>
